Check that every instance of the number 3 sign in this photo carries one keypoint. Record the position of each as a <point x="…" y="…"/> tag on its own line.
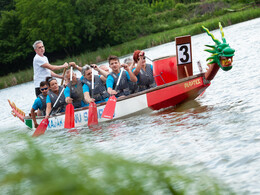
<point x="184" y="54"/>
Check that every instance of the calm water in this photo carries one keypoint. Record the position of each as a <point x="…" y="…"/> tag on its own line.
<point x="218" y="133"/>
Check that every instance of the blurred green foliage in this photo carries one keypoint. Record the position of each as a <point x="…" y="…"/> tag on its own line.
<point x="37" y="169"/>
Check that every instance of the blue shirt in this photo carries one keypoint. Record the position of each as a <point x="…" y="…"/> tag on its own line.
<point x="37" y="104"/>
<point x="110" y="80"/>
<point x="81" y="78"/>
<point x="48" y="99"/>
<point x="67" y="94"/>
<point x="67" y="91"/>
<point x="86" y="89"/>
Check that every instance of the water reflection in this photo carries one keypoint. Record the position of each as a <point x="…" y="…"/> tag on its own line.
<point x="183" y="117"/>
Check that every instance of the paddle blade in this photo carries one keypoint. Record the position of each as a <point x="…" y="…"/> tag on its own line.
<point x="92" y="114"/>
<point x="69" y="117"/>
<point x="110" y="108"/>
<point x="41" y="128"/>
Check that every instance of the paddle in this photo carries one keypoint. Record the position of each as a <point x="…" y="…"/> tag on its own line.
<point x="63" y="76"/>
<point x="69" y="113"/>
<point x="109" y="109"/>
<point x="44" y="123"/>
<point x="92" y="111"/>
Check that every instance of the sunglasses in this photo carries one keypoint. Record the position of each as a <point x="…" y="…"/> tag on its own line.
<point x="42" y="89"/>
<point x="143" y="58"/>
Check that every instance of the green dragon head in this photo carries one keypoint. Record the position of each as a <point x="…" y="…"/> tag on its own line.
<point x="222" y="53"/>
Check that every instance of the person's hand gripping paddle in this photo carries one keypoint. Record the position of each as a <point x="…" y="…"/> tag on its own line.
<point x="92" y="111"/>
<point x="109" y="110"/>
<point x="43" y="125"/>
<point x="69" y="113"/>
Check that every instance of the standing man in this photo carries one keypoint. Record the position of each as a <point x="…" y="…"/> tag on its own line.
<point x="41" y="66"/>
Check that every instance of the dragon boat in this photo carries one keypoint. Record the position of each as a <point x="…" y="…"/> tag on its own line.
<point x="175" y="81"/>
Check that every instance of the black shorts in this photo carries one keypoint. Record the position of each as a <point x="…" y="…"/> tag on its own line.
<point x="37" y="91"/>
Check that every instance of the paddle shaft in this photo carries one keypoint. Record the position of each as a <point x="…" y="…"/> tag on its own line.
<point x="109" y="109"/>
<point x="92" y="84"/>
<point x="71" y="69"/>
<point x="56" y="100"/>
<point x="117" y="83"/>
<point x="63" y="75"/>
<point x="92" y="112"/>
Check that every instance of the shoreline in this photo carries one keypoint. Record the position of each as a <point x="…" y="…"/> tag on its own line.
<point x="148" y="41"/>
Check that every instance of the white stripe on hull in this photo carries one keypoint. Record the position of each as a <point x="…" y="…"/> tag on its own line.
<point x="123" y="108"/>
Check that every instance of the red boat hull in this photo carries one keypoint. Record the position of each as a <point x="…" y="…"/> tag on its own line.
<point x="185" y="89"/>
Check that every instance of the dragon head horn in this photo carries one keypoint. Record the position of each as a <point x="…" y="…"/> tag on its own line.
<point x="222" y="33"/>
<point x="212" y="36"/>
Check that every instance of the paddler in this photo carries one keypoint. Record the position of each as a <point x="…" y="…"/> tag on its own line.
<point x="40" y="103"/>
<point x="132" y="85"/>
<point x="54" y="92"/>
<point x="143" y="71"/>
<point x="123" y="86"/>
<point x="74" y="91"/>
<point x="99" y="93"/>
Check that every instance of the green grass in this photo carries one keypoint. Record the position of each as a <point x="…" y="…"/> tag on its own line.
<point x="164" y="37"/>
<point x="141" y="43"/>
<point x="16" y="78"/>
<point x="36" y="169"/>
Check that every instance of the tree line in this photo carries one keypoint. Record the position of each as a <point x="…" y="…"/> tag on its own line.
<point x="70" y="27"/>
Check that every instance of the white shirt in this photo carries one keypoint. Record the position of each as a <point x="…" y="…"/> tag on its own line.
<point x="40" y="73"/>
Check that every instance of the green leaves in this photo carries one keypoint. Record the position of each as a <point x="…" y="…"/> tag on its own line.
<point x="52" y="21"/>
<point x="66" y="25"/>
<point x="72" y="27"/>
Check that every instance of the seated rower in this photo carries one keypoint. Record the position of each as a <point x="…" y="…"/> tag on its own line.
<point x="143" y="71"/>
<point x="40" y="103"/>
<point x="132" y="85"/>
<point x="99" y="93"/>
<point x="123" y="86"/>
<point x="74" y="91"/>
<point x="54" y="91"/>
<point x="103" y="71"/>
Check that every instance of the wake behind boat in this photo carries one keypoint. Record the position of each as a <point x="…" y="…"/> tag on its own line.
<point x="175" y="81"/>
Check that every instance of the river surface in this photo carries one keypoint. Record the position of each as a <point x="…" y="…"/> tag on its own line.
<point x="219" y="132"/>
